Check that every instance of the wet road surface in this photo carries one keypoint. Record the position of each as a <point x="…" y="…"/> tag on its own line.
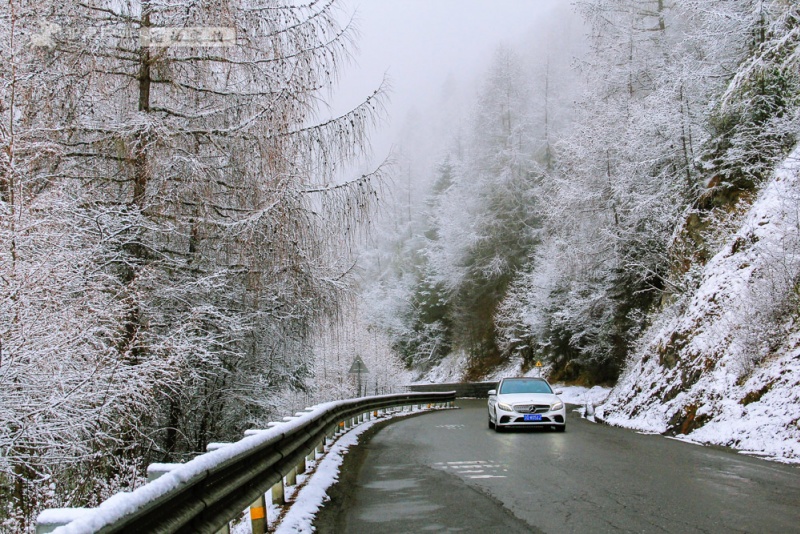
<point x="447" y="472"/>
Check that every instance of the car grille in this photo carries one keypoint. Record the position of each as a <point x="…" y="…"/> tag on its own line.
<point x="531" y="408"/>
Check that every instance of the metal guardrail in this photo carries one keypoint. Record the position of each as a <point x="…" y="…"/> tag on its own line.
<point x="206" y="493"/>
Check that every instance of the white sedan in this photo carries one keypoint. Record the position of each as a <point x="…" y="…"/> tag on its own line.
<point x="526" y="402"/>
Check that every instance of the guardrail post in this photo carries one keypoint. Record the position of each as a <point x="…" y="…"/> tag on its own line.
<point x="278" y="495"/>
<point x="301" y="466"/>
<point x="258" y="516"/>
<point x="156" y="470"/>
<point x="225" y="530"/>
<point x="291" y="477"/>
<point x="321" y="447"/>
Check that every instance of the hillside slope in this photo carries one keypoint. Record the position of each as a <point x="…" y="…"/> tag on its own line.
<point x="723" y="366"/>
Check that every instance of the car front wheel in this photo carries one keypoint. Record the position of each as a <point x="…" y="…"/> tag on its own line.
<point x="497" y="427"/>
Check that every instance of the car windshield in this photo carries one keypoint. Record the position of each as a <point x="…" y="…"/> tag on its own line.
<point x="525" y="386"/>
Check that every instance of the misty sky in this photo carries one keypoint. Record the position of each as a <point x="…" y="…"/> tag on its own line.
<point x="417" y="43"/>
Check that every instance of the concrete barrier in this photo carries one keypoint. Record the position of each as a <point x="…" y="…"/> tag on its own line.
<point x="478" y="390"/>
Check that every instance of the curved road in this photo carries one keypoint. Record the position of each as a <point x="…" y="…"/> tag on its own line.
<point x="447" y="472"/>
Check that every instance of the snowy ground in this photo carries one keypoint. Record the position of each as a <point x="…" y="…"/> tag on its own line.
<point x="450" y="369"/>
<point x="581" y="395"/>
<point x="723" y="368"/>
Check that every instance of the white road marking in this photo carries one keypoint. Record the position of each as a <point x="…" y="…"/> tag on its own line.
<point x="475" y="469"/>
<point x="487" y="466"/>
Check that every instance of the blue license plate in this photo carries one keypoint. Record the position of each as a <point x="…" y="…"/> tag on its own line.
<point x="532" y="417"/>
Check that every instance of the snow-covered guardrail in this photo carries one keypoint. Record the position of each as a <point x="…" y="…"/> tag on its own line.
<point x="206" y="493"/>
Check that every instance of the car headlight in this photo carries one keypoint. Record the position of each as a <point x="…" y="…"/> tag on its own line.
<point x="505" y="407"/>
<point x="556" y="406"/>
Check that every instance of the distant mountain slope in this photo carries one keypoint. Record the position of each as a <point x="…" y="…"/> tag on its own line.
<point x="723" y="367"/>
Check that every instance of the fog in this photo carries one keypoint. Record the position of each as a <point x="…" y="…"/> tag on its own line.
<point x="419" y="44"/>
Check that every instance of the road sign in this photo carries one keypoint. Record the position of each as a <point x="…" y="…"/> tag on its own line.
<point x="358" y="366"/>
<point x="538" y="364"/>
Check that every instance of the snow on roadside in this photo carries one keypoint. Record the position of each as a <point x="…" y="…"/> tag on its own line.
<point x="313" y="494"/>
<point x="581" y="395"/>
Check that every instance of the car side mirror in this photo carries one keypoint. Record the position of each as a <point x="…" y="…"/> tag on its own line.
<point x="559" y="392"/>
<point x="492" y="392"/>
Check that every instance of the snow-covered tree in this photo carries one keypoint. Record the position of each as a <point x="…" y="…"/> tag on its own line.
<point x="626" y="176"/>
<point x="174" y="203"/>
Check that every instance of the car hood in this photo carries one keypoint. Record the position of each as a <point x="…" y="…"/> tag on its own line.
<point x="527" y="398"/>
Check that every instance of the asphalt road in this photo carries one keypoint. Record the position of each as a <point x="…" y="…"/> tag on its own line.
<point x="447" y="472"/>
